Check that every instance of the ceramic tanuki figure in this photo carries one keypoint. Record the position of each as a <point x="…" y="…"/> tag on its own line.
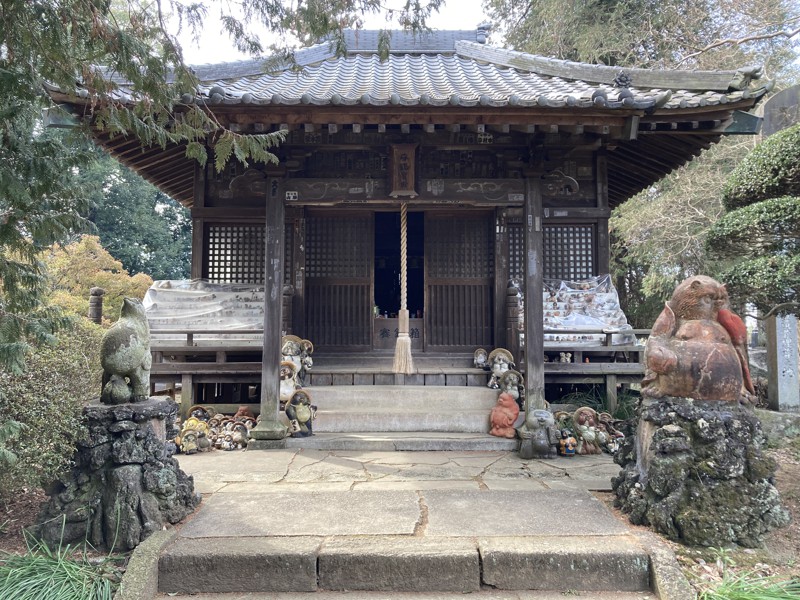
<point x="288" y="383"/>
<point x="539" y="435"/>
<point x="567" y="444"/>
<point x="301" y="413"/>
<point x="306" y="362"/>
<point x="586" y="431"/>
<point x="500" y="361"/>
<point x="291" y="351"/>
<point x="691" y="351"/>
<point x="503" y="416"/>
<point x="512" y="383"/>
<point x="480" y="359"/>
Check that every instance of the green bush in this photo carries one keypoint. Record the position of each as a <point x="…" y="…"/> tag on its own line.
<point x="769" y="171"/>
<point x="771" y="226"/>
<point x="764" y="281"/>
<point x="47" y="399"/>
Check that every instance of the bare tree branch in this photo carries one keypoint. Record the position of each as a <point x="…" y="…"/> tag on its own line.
<point x="738" y="41"/>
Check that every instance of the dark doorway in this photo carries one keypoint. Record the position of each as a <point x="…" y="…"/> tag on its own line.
<point x="387" y="263"/>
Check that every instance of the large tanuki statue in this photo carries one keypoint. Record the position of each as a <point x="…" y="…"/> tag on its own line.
<point x="693" y="463"/>
<point x="698" y="347"/>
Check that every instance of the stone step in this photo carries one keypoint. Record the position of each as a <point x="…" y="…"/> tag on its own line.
<point x="484" y="594"/>
<point x="400" y="420"/>
<point x="564" y="564"/>
<point x="407" y="397"/>
<point x="409" y="441"/>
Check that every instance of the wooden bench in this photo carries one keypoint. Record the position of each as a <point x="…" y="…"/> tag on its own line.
<point x="596" y="362"/>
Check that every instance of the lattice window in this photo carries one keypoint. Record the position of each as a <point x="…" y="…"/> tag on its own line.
<point x="569" y="252"/>
<point x="235" y="253"/>
<point x="459" y="248"/>
<point x="339" y="247"/>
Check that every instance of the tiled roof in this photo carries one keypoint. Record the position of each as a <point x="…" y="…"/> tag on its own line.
<point x="451" y="68"/>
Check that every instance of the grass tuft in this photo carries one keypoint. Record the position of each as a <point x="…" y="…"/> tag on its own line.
<point x="61" y="574"/>
<point x="748" y="587"/>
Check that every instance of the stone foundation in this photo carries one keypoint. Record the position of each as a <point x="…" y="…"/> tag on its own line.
<point x="125" y="484"/>
<point x="695" y="472"/>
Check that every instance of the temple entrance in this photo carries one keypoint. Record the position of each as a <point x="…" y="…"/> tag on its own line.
<point x="387" y="264"/>
<point x="387" y="279"/>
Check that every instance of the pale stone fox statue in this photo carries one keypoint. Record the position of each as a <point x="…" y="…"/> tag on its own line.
<point x="125" y="356"/>
<point x="698" y="347"/>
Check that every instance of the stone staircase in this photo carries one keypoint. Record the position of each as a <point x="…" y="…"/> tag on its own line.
<point x="402" y="417"/>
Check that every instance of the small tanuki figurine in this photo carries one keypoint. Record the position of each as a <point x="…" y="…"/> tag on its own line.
<point x="567" y="444"/>
<point x="291" y="351"/>
<point x="306" y="362"/>
<point x="539" y="435"/>
<point x="125" y="356"/>
<point x="611" y="437"/>
<point x="194" y="436"/>
<point x="288" y="384"/>
<point x="503" y="416"/>
<point x="480" y="359"/>
<point x="301" y="413"/>
<point x="697" y="348"/>
<point x="500" y="361"/>
<point x="590" y="438"/>
<point x="512" y="383"/>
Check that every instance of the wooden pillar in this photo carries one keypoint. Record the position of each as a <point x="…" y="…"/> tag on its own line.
<point x="198" y="224"/>
<point x="269" y="432"/>
<point x="534" y="310"/>
<point x="187" y="395"/>
<point x="603" y="256"/>
<point x="299" y="274"/>
<point x="500" y="279"/>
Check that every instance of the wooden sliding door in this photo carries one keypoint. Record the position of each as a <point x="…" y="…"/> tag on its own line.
<point x="459" y="281"/>
<point x="339" y="268"/>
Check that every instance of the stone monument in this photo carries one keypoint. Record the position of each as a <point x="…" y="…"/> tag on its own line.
<point x="125" y="484"/>
<point x="692" y="458"/>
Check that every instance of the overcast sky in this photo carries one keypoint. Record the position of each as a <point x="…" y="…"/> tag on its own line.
<point x="215" y="48"/>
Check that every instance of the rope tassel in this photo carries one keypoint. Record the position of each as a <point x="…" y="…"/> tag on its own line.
<point x="403" y="361"/>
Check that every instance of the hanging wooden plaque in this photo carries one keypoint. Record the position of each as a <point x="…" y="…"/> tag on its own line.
<point x="402" y="159"/>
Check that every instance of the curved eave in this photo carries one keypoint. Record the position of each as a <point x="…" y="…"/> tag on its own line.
<point x="166" y="168"/>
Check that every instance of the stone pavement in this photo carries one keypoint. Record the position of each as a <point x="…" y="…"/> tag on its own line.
<point x="390" y="524"/>
<point x="297" y="470"/>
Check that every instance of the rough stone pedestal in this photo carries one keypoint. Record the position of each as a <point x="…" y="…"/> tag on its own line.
<point x="695" y="471"/>
<point x="125" y="484"/>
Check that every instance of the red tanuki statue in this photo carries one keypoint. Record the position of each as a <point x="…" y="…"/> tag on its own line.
<point x="698" y="347"/>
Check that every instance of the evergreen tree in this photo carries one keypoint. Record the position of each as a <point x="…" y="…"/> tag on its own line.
<point x="147" y="231"/>
<point x="759" y="237"/>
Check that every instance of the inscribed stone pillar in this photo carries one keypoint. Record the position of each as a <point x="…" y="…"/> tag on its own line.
<point x="269" y="433"/>
<point x="784" y="385"/>
<point x="534" y="317"/>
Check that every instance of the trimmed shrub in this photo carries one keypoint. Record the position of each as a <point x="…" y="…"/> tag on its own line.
<point x="771" y="170"/>
<point x="47" y="399"/>
<point x="771" y="226"/>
